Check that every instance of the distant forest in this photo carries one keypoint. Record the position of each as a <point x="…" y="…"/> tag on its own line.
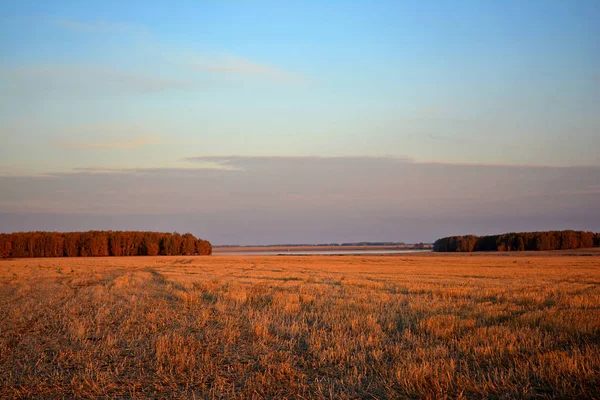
<point x="552" y="240"/>
<point x="100" y="244"/>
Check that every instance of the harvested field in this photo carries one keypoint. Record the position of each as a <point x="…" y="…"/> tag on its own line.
<point x="428" y="326"/>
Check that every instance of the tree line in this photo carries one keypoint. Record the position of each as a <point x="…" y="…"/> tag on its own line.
<point x="552" y="240"/>
<point x="100" y="244"/>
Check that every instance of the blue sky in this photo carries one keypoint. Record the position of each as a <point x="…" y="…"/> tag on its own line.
<point x="122" y="88"/>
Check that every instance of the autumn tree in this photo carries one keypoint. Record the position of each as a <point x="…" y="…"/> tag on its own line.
<point x="520" y="244"/>
<point x="5" y="246"/>
<point x="188" y="244"/>
<point x="99" y="244"/>
<point x="551" y="240"/>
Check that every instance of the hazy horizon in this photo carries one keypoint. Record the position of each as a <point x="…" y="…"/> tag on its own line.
<point x="294" y="122"/>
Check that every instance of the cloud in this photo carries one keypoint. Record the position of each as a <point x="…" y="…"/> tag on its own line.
<point x="315" y="198"/>
<point x="306" y="199"/>
<point x="46" y="80"/>
<point x="444" y="138"/>
<point x="148" y="49"/>
<point x="105" y="136"/>
<point x="291" y="163"/>
<point x="136" y="171"/>
<point x="231" y="65"/>
<point x="99" y="26"/>
<point x="237" y="66"/>
<point x="242" y="161"/>
<point x="111" y="144"/>
<point x="51" y="80"/>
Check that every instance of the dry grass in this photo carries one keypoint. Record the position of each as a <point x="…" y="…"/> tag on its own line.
<point x="301" y="327"/>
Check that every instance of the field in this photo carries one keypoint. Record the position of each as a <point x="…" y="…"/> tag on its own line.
<point x="416" y="326"/>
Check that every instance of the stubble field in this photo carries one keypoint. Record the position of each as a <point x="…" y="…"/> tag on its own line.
<point x="411" y="326"/>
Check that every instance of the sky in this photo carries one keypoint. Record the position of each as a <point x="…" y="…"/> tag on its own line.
<point x="300" y="122"/>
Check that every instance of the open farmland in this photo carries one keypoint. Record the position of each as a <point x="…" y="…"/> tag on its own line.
<point x="301" y="327"/>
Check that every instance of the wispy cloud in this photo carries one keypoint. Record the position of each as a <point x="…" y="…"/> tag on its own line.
<point x="99" y="26"/>
<point x="227" y="64"/>
<point x="106" y="136"/>
<point x="110" y="144"/>
<point x="140" y="37"/>
<point x="442" y="138"/>
<point x="56" y="79"/>
<point x="239" y="162"/>
<point x="203" y="167"/>
<point x="77" y="78"/>
<point x="231" y="65"/>
<point x="242" y="161"/>
<point x="133" y="171"/>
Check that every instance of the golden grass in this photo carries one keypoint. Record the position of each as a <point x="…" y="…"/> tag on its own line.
<point x="301" y="327"/>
